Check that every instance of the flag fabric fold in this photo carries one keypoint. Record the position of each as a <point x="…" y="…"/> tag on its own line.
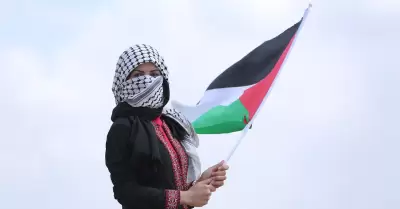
<point x="232" y="99"/>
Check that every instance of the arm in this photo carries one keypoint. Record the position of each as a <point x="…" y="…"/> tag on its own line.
<point x="126" y="189"/>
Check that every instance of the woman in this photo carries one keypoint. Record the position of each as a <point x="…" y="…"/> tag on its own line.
<point x="151" y="150"/>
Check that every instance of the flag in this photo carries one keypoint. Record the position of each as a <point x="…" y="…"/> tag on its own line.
<point x="232" y="99"/>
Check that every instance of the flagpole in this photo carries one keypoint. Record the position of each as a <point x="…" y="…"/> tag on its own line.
<point x="247" y="127"/>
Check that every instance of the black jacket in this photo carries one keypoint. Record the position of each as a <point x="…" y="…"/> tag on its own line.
<point x="139" y="181"/>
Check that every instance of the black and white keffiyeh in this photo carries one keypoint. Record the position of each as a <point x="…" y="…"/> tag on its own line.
<point x="143" y="91"/>
<point x="191" y="143"/>
<point x="148" y="91"/>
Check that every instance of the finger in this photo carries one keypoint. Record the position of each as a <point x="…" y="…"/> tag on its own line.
<point x="217" y="184"/>
<point x="211" y="188"/>
<point x="206" y="181"/>
<point x="216" y="166"/>
<point x="208" y="190"/>
<point x="219" y="178"/>
<point x="218" y="173"/>
<point x="223" y="167"/>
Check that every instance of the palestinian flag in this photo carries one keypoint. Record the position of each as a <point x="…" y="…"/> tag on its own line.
<point x="233" y="98"/>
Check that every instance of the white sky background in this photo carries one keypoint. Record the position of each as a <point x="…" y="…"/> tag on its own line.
<point x="327" y="137"/>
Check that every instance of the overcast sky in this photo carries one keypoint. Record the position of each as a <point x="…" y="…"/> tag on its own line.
<point x="327" y="137"/>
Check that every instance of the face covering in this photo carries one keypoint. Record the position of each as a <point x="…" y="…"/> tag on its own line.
<point x="144" y="91"/>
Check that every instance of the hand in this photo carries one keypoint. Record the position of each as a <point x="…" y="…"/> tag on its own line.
<point x="198" y="195"/>
<point x="217" y="173"/>
<point x="219" y="176"/>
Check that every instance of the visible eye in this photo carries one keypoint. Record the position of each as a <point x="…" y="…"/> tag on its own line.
<point x="155" y="73"/>
<point x="135" y="75"/>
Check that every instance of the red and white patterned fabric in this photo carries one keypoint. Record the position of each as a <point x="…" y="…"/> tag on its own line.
<point x="179" y="161"/>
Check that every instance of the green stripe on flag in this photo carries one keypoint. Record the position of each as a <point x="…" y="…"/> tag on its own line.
<point x="222" y="119"/>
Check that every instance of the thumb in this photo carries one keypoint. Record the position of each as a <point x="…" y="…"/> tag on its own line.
<point x="216" y="166"/>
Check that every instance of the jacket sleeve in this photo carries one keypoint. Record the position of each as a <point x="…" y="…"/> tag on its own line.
<point x="126" y="189"/>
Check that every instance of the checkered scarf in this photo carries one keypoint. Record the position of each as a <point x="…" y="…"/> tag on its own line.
<point x="142" y="91"/>
<point x="147" y="91"/>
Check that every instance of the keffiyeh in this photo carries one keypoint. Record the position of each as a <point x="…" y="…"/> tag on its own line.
<point x="143" y="91"/>
<point x="148" y="91"/>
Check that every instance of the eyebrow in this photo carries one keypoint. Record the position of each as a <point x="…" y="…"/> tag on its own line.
<point x="143" y="71"/>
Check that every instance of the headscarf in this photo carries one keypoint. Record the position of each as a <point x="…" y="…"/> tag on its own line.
<point x="153" y="93"/>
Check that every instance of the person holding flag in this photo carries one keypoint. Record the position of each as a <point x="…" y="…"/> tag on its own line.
<point x="150" y="149"/>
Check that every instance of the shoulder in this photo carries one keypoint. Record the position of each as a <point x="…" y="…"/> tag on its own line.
<point x="184" y="123"/>
<point x="178" y="117"/>
<point x="120" y="128"/>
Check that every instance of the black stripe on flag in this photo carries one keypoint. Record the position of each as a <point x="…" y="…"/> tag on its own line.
<point x="257" y="64"/>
